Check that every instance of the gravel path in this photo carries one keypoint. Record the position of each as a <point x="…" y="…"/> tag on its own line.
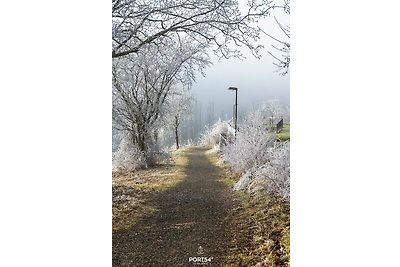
<point x="189" y="222"/>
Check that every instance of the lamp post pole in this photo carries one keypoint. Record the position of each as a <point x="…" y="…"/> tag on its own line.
<point x="236" y="107"/>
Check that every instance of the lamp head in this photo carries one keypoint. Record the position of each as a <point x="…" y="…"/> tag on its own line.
<point x="232" y="88"/>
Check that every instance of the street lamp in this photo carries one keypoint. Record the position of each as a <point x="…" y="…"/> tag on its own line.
<point x="235" y="89"/>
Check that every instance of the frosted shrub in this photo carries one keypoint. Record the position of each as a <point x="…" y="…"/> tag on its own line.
<point x="244" y="181"/>
<point x="263" y="161"/>
<point x="128" y="156"/>
<point x="275" y="174"/>
<point x="252" y="146"/>
<point x="212" y="135"/>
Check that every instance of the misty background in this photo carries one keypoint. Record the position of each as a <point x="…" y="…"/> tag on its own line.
<point x="257" y="80"/>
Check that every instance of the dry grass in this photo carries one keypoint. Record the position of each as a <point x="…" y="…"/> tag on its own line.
<point x="260" y="227"/>
<point x="261" y="230"/>
<point x="131" y="190"/>
<point x="227" y="177"/>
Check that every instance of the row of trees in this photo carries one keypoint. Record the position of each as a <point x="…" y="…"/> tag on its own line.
<point x="158" y="47"/>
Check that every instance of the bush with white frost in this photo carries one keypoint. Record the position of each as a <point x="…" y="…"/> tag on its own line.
<point x="252" y="146"/>
<point x="212" y="135"/>
<point x="128" y="156"/>
<point x="273" y="176"/>
<point x="263" y="161"/>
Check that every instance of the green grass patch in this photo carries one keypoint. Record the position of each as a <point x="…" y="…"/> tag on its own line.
<point x="284" y="134"/>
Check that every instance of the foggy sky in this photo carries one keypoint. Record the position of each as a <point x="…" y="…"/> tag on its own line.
<point x="256" y="79"/>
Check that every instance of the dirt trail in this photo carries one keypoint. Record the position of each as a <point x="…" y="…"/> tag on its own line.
<point x="192" y="214"/>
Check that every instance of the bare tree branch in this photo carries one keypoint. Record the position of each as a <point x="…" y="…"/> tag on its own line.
<point x="137" y="23"/>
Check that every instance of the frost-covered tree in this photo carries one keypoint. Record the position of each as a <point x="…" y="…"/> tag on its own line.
<point x="178" y="105"/>
<point x="274" y="110"/>
<point x="218" y="24"/>
<point x="281" y="51"/>
<point x="142" y="82"/>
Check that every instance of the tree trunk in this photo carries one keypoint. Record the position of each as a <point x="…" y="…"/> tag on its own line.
<point x="141" y="135"/>
<point x="176" y="138"/>
<point x="176" y="125"/>
<point x="141" y="143"/>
